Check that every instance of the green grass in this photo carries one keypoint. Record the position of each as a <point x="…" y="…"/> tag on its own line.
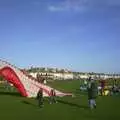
<point x="15" y="107"/>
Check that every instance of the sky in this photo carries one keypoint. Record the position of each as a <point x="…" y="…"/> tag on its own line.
<point x="80" y="35"/>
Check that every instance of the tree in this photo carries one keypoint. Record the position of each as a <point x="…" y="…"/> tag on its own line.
<point x="42" y="69"/>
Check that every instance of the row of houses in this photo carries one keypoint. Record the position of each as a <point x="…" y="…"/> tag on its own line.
<point x="65" y="76"/>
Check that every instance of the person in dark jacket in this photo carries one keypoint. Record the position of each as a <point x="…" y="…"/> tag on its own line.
<point x="52" y="96"/>
<point x="40" y="97"/>
<point x="92" y="93"/>
<point x="102" y="82"/>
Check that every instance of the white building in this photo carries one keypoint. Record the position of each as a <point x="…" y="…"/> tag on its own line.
<point x="65" y="76"/>
<point x="55" y="75"/>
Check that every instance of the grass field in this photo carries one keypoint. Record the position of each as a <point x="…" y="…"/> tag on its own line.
<point x="15" y="107"/>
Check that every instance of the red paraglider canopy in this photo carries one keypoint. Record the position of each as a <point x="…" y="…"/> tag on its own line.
<point x="9" y="74"/>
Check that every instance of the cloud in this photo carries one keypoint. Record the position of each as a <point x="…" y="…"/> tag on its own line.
<point x="56" y="8"/>
<point x="81" y="5"/>
<point x="67" y="5"/>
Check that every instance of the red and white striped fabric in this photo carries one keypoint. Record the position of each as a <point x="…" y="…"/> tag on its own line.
<point x="26" y="85"/>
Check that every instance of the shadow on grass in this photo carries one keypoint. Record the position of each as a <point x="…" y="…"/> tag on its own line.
<point x="80" y="92"/>
<point x="10" y="93"/>
<point x="73" y="104"/>
<point x="28" y="103"/>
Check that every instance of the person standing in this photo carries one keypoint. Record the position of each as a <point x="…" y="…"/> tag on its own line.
<point x="52" y="96"/>
<point x="40" y="97"/>
<point x="102" y="87"/>
<point x="92" y="93"/>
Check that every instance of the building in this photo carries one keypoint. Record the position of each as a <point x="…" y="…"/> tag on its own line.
<point x="64" y="74"/>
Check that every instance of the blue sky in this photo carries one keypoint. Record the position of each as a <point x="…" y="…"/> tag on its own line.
<point x="81" y="35"/>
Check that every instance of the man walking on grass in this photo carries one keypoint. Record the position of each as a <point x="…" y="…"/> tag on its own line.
<point x="92" y="93"/>
<point x="40" y="97"/>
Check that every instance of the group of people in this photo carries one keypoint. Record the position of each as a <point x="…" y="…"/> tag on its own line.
<point x="52" y="97"/>
<point x="112" y="90"/>
<point x="92" y="94"/>
<point x="92" y="90"/>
